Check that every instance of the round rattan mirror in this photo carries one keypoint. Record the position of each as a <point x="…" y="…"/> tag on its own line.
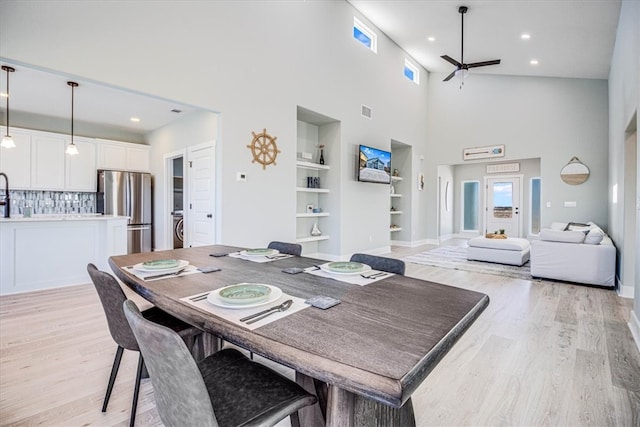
<point x="575" y="172"/>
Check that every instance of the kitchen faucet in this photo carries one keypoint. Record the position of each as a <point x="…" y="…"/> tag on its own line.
<point x="7" y="200"/>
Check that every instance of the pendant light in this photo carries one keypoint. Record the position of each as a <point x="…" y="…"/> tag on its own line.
<point x="72" y="150"/>
<point x="7" y="140"/>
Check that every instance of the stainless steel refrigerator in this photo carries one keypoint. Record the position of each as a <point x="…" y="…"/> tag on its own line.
<point x="128" y="194"/>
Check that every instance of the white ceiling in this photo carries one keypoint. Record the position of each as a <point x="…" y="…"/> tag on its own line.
<point x="46" y="93"/>
<point x="569" y="38"/>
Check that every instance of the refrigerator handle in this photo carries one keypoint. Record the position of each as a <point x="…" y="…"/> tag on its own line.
<point x="144" y="227"/>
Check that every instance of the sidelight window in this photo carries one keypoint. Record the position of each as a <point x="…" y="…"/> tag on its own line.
<point x="536" y="207"/>
<point x="470" y="205"/>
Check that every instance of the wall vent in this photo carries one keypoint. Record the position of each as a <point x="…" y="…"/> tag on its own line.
<point x="503" y="167"/>
<point x="366" y="112"/>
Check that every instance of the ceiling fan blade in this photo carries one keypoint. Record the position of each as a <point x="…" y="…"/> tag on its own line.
<point x="450" y="76"/>
<point x="483" y="63"/>
<point x="451" y="60"/>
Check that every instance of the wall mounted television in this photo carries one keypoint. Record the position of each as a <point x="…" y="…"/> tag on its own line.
<point x="374" y="165"/>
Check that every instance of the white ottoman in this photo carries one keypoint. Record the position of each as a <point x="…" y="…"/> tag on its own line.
<point x="512" y="250"/>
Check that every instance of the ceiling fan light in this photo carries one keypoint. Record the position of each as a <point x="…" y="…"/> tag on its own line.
<point x="7" y="142"/>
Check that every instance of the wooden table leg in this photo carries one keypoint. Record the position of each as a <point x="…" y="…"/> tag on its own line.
<point x="340" y="408"/>
<point x="312" y="416"/>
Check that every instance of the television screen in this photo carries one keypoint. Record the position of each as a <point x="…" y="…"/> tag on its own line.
<point x="374" y="165"/>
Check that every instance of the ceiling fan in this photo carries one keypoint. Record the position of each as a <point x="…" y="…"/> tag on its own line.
<point x="461" y="66"/>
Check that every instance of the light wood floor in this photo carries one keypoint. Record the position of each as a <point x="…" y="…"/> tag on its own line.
<point x="542" y="354"/>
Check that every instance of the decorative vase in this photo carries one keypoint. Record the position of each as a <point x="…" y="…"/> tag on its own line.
<point x="315" y="231"/>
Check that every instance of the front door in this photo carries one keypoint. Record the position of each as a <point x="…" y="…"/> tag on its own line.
<point x="502" y="205"/>
<point x="199" y="219"/>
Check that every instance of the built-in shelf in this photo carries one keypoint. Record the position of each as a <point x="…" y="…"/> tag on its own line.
<point x="392" y="229"/>
<point x="314" y="166"/>
<point x="311" y="215"/>
<point x="396" y="195"/>
<point x="312" y="190"/>
<point x="311" y="239"/>
<point x="395" y="212"/>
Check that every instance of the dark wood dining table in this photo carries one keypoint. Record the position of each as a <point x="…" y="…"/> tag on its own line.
<point x="363" y="357"/>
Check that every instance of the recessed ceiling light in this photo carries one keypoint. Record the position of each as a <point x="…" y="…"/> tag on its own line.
<point x="431" y="38"/>
<point x="135" y="119"/>
<point x="525" y="36"/>
<point x="533" y="62"/>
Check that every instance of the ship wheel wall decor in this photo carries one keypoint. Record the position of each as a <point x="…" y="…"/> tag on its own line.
<point x="263" y="148"/>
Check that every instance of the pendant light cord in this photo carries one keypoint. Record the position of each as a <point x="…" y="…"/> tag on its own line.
<point x="8" y="70"/>
<point x="73" y="86"/>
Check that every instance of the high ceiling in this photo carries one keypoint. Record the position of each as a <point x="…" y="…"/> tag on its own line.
<point x="569" y="38"/>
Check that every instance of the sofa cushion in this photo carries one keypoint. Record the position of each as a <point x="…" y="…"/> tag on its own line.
<point x="558" y="226"/>
<point x="594" y="236"/>
<point x="569" y="236"/>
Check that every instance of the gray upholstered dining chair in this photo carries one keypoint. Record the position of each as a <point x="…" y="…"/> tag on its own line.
<point x="286" y="248"/>
<point x="390" y="265"/>
<point x="112" y="297"/>
<point x="224" y="389"/>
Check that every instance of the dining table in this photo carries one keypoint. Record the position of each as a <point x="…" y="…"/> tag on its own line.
<point x="363" y="357"/>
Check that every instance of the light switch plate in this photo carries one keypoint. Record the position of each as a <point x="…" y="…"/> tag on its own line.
<point x="570" y="204"/>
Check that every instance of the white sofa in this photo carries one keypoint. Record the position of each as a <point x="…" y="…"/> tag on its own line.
<point x="574" y="253"/>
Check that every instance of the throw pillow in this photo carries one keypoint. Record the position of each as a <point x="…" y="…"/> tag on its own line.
<point x="594" y="236"/>
<point x="562" y="236"/>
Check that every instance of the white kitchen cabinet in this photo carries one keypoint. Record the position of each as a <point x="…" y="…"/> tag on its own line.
<point x="16" y="162"/>
<point x="123" y="156"/>
<point x="47" y="161"/>
<point x="138" y="158"/>
<point x="80" y="170"/>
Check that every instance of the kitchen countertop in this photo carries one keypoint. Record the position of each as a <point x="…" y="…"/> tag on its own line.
<point x="61" y="217"/>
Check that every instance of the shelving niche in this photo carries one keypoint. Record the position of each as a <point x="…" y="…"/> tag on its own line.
<point x="400" y="198"/>
<point x="314" y="130"/>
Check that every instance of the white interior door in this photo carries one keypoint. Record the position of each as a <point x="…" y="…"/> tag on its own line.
<point x="502" y="205"/>
<point x="200" y="208"/>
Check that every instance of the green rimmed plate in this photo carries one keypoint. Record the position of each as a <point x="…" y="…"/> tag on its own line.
<point x="260" y="252"/>
<point x="244" y="293"/>
<point x="345" y="267"/>
<point x="161" y="265"/>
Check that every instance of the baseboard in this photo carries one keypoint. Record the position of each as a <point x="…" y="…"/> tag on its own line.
<point x="624" y="291"/>
<point x="634" y="325"/>
<point x="413" y="243"/>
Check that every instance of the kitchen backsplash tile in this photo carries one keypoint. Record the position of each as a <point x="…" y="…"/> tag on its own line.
<point x="52" y="202"/>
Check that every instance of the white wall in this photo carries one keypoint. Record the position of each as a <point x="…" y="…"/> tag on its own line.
<point x="550" y="118"/>
<point x="624" y="96"/>
<point x="196" y="128"/>
<point x="254" y="61"/>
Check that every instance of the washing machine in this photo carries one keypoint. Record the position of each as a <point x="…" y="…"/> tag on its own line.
<point x="178" y="230"/>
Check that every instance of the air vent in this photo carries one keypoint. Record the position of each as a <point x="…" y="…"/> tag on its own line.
<point x="175" y="110"/>
<point x="366" y="112"/>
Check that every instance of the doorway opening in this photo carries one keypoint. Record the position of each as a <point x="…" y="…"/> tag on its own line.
<point x="178" y="202"/>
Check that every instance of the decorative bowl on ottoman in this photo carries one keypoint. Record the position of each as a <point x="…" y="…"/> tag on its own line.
<point x="510" y="250"/>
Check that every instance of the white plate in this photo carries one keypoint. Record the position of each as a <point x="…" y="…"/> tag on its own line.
<point x="140" y="267"/>
<point x="215" y="299"/>
<point x="327" y="268"/>
<point x="260" y="252"/>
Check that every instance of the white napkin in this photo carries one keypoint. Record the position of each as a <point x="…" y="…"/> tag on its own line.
<point x="235" y="314"/>
<point x="259" y="258"/>
<point x="189" y="269"/>
<point x="355" y="279"/>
